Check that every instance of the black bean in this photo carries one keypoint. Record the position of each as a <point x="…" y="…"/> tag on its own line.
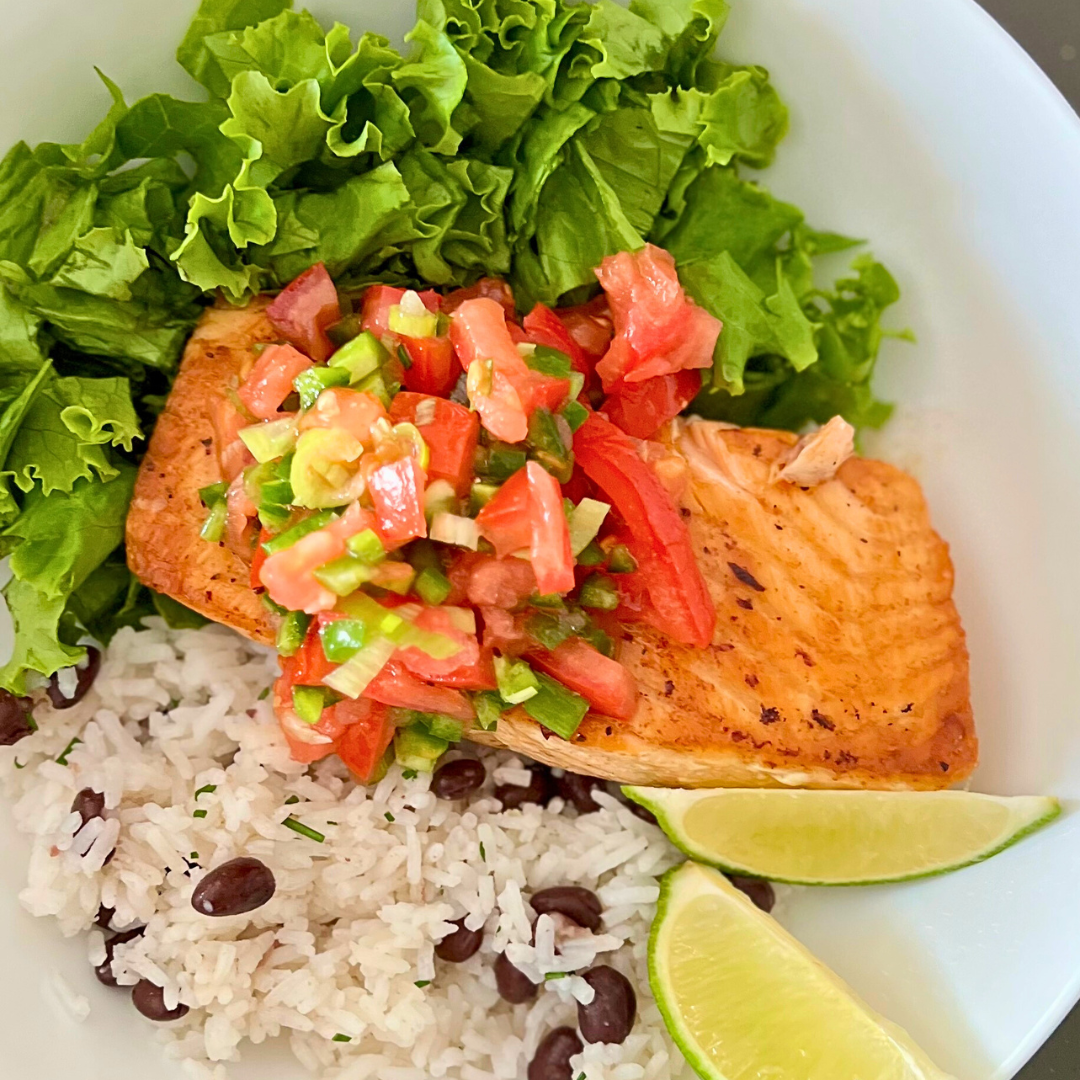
<point x="514" y="985"/>
<point x="457" y="779"/>
<point x="15" y="722"/>
<point x="88" y="804"/>
<point x="104" y="916"/>
<point x="761" y="892"/>
<point x="104" y="970"/>
<point x="233" y="888"/>
<point x="150" y="1001"/>
<point x="610" y="1015"/>
<point x="578" y="790"/>
<point x="84" y="679"/>
<point x="552" y="1058"/>
<point x="457" y="947"/>
<point x="573" y="901"/>
<point x="539" y="790"/>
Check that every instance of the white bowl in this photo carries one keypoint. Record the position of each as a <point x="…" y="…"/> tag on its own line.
<point x="918" y="123"/>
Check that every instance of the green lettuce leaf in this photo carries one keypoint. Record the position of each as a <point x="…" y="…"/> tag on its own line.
<point x="58" y="541"/>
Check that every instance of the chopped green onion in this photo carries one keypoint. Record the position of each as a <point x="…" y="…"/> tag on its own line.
<point x="212" y="494"/>
<point x="592" y="554"/>
<point x="575" y="414"/>
<point x="440" y="498"/>
<point x="298" y="531"/>
<point x="291" y="632"/>
<point x="389" y="817"/>
<point x="517" y="681"/>
<point x="379" y="620"/>
<point x="270" y="439"/>
<point x="585" y="521"/>
<point x="404" y="357"/>
<point x="456" y="530"/>
<point x="432" y="586"/>
<point x="353" y="677"/>
<point x="437" y="646"/>
<point x="411" y="318"/>
<point x="342" y="639"/>
<point x="63" y="758"/>
<point x="344" y="330"/>
<point x="264" y="693"/>
<point x="499" y="461"/>
<point x="550" y="976"/>
<point x="345" y="575"/>
<point x="598" y="640"/>
<point x="292" y="800"/>
<point x="209" y="789"/>
<point x="299" y="827"/>
<point x="214" y="527"/>
<point x="376" y="385"/>
<point x="442" y="727"/>
<point x="274" y="517"/>
<point x="620" y="561"/>
<point x="361" y="357"/>
<point x="483" y="852"/>
<point x="366" y="546"/>
<point x="395" y="577"/>
<point x="408" y="774"/>
<point x="416" y="748"/>
<point x="548" y="600"/>
<point x="577" y="384"/>
<point x="311" y="382"/>
<point x="308" y="703"/>
<point x="276" y="492"/>
<point x="556" y="708"/>
<point x="480" y="495"/>
<point x="549" y="361"/>
<point x="271" y="606"/>
<point x="489" y="707"/>
<point x="547" y="630"/>
<point x="199" y="814"/>
<point x="546" y="443"/>
<point x="341" y="1038"/>
<point x="422" y="983"/>
<point x="598" y="591"/>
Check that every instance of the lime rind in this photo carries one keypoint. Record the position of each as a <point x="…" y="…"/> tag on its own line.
<point x="669" y="822"/>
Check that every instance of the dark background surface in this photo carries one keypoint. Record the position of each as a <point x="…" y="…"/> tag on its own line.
<point x="1050" y="32"/>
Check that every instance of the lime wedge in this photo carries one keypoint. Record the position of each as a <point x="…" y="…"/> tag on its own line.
<point x="743" y="999"/>
<point x="841" y="837"/>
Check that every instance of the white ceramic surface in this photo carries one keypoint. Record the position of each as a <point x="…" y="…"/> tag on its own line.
<point x="920" y="124"/>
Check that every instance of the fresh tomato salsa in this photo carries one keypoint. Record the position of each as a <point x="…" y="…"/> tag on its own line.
<point x="450" y="509"/>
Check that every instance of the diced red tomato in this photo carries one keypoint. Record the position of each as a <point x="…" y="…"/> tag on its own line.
<point x="271" y="380"/>
<point x="354" y="411"/>
<point x="488" y="288"/>
<point x="289" y="575"/>
<point x="379" y="299"/>
<point x="397" y="493"/>
<point x="506" y="521"/>
<point x="304" y="309"/>
<point x="490" y="582"/>
<point x="434" y="369"/>
<point x="397" y="687"/>
<point x="607" y="686"/>
<point x="478" y="676"/>
<point x="451" y="434"/>
<point x="590" y="326"/>
<point x="545" y="328"/>
<point x="368" y="732"/>
<point x="549" y="551"/>
<point x="498" y="377"/>
<point x="258" y="558"/>
<point x="642" y="408"/>
<point x="437" y="670"/>
<point x="658" y="329"/>
<point x="504" y="631"/>
<point x="660" y="540"/>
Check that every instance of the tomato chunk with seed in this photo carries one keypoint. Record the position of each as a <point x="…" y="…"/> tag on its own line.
<point x="658" y="329"/>
<point x="658" y="536"/>
<point x="289" y="575"/>
<point x="304" y="309"/>
<point x="451" y="432"/>
<point x="354" y="411"/>
<point x="604" y="683"/>
<point x="549" y="548"/>
<point x="399" y="688"/>
<point x="271" y="380"/>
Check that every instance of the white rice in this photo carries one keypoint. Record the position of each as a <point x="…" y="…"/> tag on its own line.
<point x="351" y="931"/>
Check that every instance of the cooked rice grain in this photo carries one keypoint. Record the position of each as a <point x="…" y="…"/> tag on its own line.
<point x="177" y="725"/>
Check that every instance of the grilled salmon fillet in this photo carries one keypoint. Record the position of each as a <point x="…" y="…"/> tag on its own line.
<point x="838" y="659"/>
